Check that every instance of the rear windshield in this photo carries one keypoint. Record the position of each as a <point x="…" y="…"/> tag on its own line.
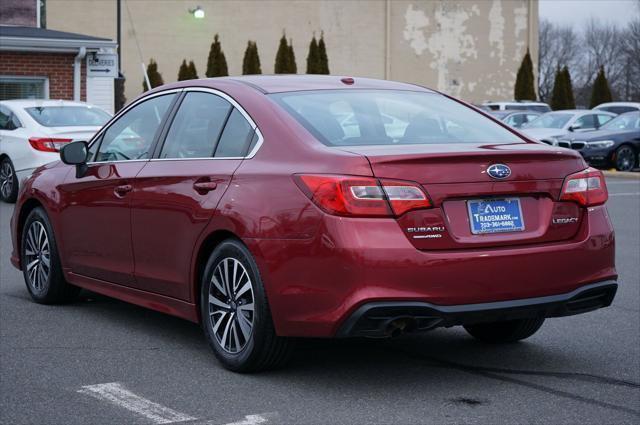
<point x="618" y="109"/>
<point x="68" y="116"/>
<point x="387" y="117"/>
<point x="550" y="120"/>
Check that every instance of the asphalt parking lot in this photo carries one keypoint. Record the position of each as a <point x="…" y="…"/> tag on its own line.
<point x="101" y="361"/>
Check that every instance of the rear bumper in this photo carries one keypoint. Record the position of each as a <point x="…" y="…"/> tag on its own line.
<point x="381" y="319"/>
<point x="314" y="285"/>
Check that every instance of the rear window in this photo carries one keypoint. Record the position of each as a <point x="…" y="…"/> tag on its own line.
<point x="618" y="109"/>
<point x="68" y="116"/>
<point x="388" y="117"/>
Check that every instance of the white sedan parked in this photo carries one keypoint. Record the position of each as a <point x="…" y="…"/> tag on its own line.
<point x="32" y="133"/>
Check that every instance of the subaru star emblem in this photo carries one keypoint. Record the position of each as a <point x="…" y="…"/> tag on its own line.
<point x="499" y="171"/>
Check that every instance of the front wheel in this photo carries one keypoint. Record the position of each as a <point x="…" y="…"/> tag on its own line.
<point x="235" y="314"/>
<point x="506" y="331"/>
<point x="8" y="181"/>
<point x="40" y="261"/>
<point x="625" y="158"/>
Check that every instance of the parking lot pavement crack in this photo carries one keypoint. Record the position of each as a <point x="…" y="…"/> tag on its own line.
<point x="496" y="373"/>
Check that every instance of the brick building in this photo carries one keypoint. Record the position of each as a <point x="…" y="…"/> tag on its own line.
<point x="39" y="63"/>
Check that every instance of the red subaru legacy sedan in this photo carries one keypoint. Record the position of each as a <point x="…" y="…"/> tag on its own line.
<point x="272" y="207"/>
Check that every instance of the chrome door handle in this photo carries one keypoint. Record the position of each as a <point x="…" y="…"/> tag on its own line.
<point x="122" y="190"/>
<point x="204" y="187"/>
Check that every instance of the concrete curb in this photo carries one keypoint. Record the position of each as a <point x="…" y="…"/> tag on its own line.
<point x="622" y="174"/>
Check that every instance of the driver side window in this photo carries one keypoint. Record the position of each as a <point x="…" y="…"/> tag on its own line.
<point x="131" y="136"/>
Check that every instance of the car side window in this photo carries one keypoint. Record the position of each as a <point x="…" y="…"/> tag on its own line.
<point x="236" y="138"/>
<point x="8" y="121"/>
<point x="131" y="135"/>
<point x="531" y="117"/>
<point x="196" y="127"/>
<point x="603" y="119"/>
<point x="585" y="122"/>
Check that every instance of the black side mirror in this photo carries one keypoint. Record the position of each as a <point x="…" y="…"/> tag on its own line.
<point x="75" y="153"/>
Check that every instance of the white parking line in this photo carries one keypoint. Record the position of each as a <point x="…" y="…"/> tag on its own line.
<point x="251" y="420"/>
<point x="115" y="393"/>
<point x="625" y="194"/>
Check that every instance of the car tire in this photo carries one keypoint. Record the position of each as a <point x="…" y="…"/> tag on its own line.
<point x="8" y="181"/>
<point x="506" y="331"/>
<point x="235" y="312"/>
<point x="40" y="261"/>
<point x="625" y="158"/>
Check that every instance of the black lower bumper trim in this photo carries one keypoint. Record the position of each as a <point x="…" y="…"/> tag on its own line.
<point x="379" y="319"/>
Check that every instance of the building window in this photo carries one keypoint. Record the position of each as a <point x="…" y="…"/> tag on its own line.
<point x="23" y="88"/>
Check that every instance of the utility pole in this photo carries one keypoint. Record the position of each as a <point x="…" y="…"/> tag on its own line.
<point x="119" y="30"/>
<point x="118" y="84"/>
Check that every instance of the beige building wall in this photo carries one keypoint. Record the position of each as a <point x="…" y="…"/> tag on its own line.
<point x="467" y="48"/>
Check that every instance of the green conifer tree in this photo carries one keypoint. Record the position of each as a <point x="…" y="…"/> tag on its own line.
<point x="216" y="62"/>
<point x="251" y="61"/>
<point x="601" y="92"/>
<point x="155" y="78"/>
<point x="558" y="94"/>
<point x="282" y="57"/>
<point x="293" y="68"/>
<point x="183" y="72"/>
<point x="313" y="58"/>
<point x="323" y="63"/>
<point x="524" y="88"/>
<point x="571" y="101"/>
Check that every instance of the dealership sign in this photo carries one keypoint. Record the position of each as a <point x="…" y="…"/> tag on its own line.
<point x="102" y="65"/>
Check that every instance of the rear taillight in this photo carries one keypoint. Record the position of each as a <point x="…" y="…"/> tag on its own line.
<point x="48" y="144"/>
<point x="362" y="196"/>
<point x="586" y="187"/>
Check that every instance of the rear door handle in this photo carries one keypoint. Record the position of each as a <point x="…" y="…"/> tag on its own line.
<point x="205" y="186"/>
<point x="123" y="190"/>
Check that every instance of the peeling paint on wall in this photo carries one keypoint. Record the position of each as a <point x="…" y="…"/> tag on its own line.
<point x="415" y="21"/>
<point x="449" y="43"/>
<point x="520" y="18"/>
<point x="496" y="30"/>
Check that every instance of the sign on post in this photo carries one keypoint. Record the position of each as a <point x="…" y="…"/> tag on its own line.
<point x="102" y="65"/>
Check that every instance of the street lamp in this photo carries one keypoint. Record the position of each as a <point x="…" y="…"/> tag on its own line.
<point x="197" y="13"/>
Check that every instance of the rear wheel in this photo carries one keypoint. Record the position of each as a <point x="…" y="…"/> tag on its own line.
<point x="625" y="158"/>
<point x="235" y="314"/>
<point x="40" y="262"/>
<point x="506" y="331"/>
<point x="8" y="181"/>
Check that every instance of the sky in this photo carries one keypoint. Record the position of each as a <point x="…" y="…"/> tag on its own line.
<point x="578" y="12"/>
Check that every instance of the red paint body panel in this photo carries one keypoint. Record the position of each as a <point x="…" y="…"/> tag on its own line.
<point x="168" y="215"/>
<point x="144" y="247"/>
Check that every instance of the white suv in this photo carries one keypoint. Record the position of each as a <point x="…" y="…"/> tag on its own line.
<point x="517" y="106"/>
<point x="619" y="107"/>
<point x="32" y="132"/>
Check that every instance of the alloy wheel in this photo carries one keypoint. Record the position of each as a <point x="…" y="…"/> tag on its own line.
<point x="6" y="180"/>
<point x="231" y="305"/>
<point x="625" y="159"/>
<point x="37" y="255"/>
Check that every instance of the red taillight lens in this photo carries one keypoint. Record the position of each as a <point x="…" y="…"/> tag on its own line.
<point x="48" y="144"/>
<point x="362" y="196"/>
<point x="586" y="187"/>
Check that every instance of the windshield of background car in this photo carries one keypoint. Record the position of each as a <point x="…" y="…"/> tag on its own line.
<point x="68" y="116"/>
<point x="389" y="117"/>
<point x="628" y="121"/>
<point x="553" y="120"/>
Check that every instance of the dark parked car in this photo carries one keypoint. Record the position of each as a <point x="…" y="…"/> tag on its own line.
<point x="243" y="204"/>
<point x="616" y="144"/>
<point x="515" y="119"/>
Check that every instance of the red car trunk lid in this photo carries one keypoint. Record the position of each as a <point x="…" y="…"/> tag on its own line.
<point x="454" y="174"/>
